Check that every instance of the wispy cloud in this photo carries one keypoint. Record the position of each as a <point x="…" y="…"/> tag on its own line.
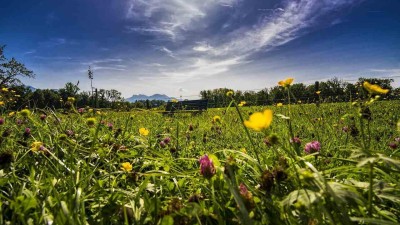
<point x="30" y="52"/>
<point x="53" y="57"/>
<point x="171" y="17"/>
<point x="177" y="17"/>
<point x="102" y="61"/>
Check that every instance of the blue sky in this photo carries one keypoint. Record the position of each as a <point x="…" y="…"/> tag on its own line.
<point x="179" y="47"/>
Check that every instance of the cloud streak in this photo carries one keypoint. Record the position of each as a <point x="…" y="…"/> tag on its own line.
<point x="178" y="18"/>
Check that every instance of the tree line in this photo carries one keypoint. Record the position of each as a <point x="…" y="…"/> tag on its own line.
<point x="333" y="90"/>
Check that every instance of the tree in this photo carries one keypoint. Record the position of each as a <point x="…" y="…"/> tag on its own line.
<point x="11" y="70"/>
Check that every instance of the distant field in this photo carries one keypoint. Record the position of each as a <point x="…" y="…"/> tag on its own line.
<point x="143" y="168"/>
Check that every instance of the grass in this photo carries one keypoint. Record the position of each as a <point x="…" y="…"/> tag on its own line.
<point x="75" y="175"/>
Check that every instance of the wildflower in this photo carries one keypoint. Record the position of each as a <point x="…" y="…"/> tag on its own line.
<point x="286" y="83"/>
<point x="1" y="121"/>
<point x="374" y="89"/>
<point x="11" y="114"/>
<point x="206" y="167"/>
<point x="81" y="110"/>
<point x="217" y="119"/>
<point x="71" y="99"/>
<point x="167" y="140"/>
<point x="312" y="147"/>
<point x="43" y="117"/>
<point x="91" y="121"/>
<point x="229" y="93"/>
<point x="90" y="110"/>
<point x="110" y="126"/>
<point x="2" y="103"/>
<point x="37" y="146"/>
<point x="27" y="132"/>
<point x="279" y="104"/>
<point x="126" y="166"/>
<point x="393" y="145"/>
<point x="242" y="103"/>
<point x="259" y="121"/>
<point x="25" y="112"/>
<point x="295" y="140"/>
<point x="318" y="92"/>
<point x="143" y="131"/>
<point x="244" y="192"/>
<point x="4" y="89"/>
<point x="162" y="144"/>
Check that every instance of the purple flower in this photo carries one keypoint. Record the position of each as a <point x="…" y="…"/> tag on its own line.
<point x="1" y="121"/>
<point x="206" y="167"/>
<point x="167" y="140"/>
<point x="393" y="145"/>
<point x="110" y="125"/>
<point x="162" y="144"/>
<point x="27" y="132"/>
<point x="243" y="189"/>
<point x="43" y="117"/>
<point x="81" y="110"/>
<point x="19" y="122"/>
<point x="312" y="147"/>
<point x="295" y="140"/>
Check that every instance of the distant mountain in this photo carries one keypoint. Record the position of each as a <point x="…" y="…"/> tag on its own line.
<point x="31" y="88"/>
<point x="139" y="97"/>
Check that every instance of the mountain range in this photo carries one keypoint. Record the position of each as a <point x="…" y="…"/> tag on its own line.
<point x="140" y="97"/>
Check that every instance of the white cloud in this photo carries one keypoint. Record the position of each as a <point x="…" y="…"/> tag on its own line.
<point x="171" y="17"/>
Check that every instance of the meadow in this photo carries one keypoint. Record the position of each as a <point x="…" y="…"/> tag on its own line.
<point x="335" y="163"/>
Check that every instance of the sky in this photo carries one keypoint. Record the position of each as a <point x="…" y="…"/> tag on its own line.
<point x="180" y="47"/>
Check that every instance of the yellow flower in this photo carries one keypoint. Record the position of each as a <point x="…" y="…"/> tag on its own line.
<point x="242" y="103"/>
<point x="174" y="100"/>
<point x="259" y="121"/>
<point x="243" y="150"/>
<point x="71" y="99"/>
<point x="90" y="121"/>
<point x="143" y="131"/>
<point x="25" y="112"/>
<point x="229" y="93"/>
<point x="279" y="104"/>
<point x="36" y="146"/>
<point x="126" y="166"/>
<point x="4" y="89"/>
<point x="286" y="83"/>
<point x="374" y="89"/>
<point x="318" y="92"/>
<point x="11" y="114"/>
<point x="90" y="110"/>
<point x="1" y="103"/>
<point x="217" y="119"/>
